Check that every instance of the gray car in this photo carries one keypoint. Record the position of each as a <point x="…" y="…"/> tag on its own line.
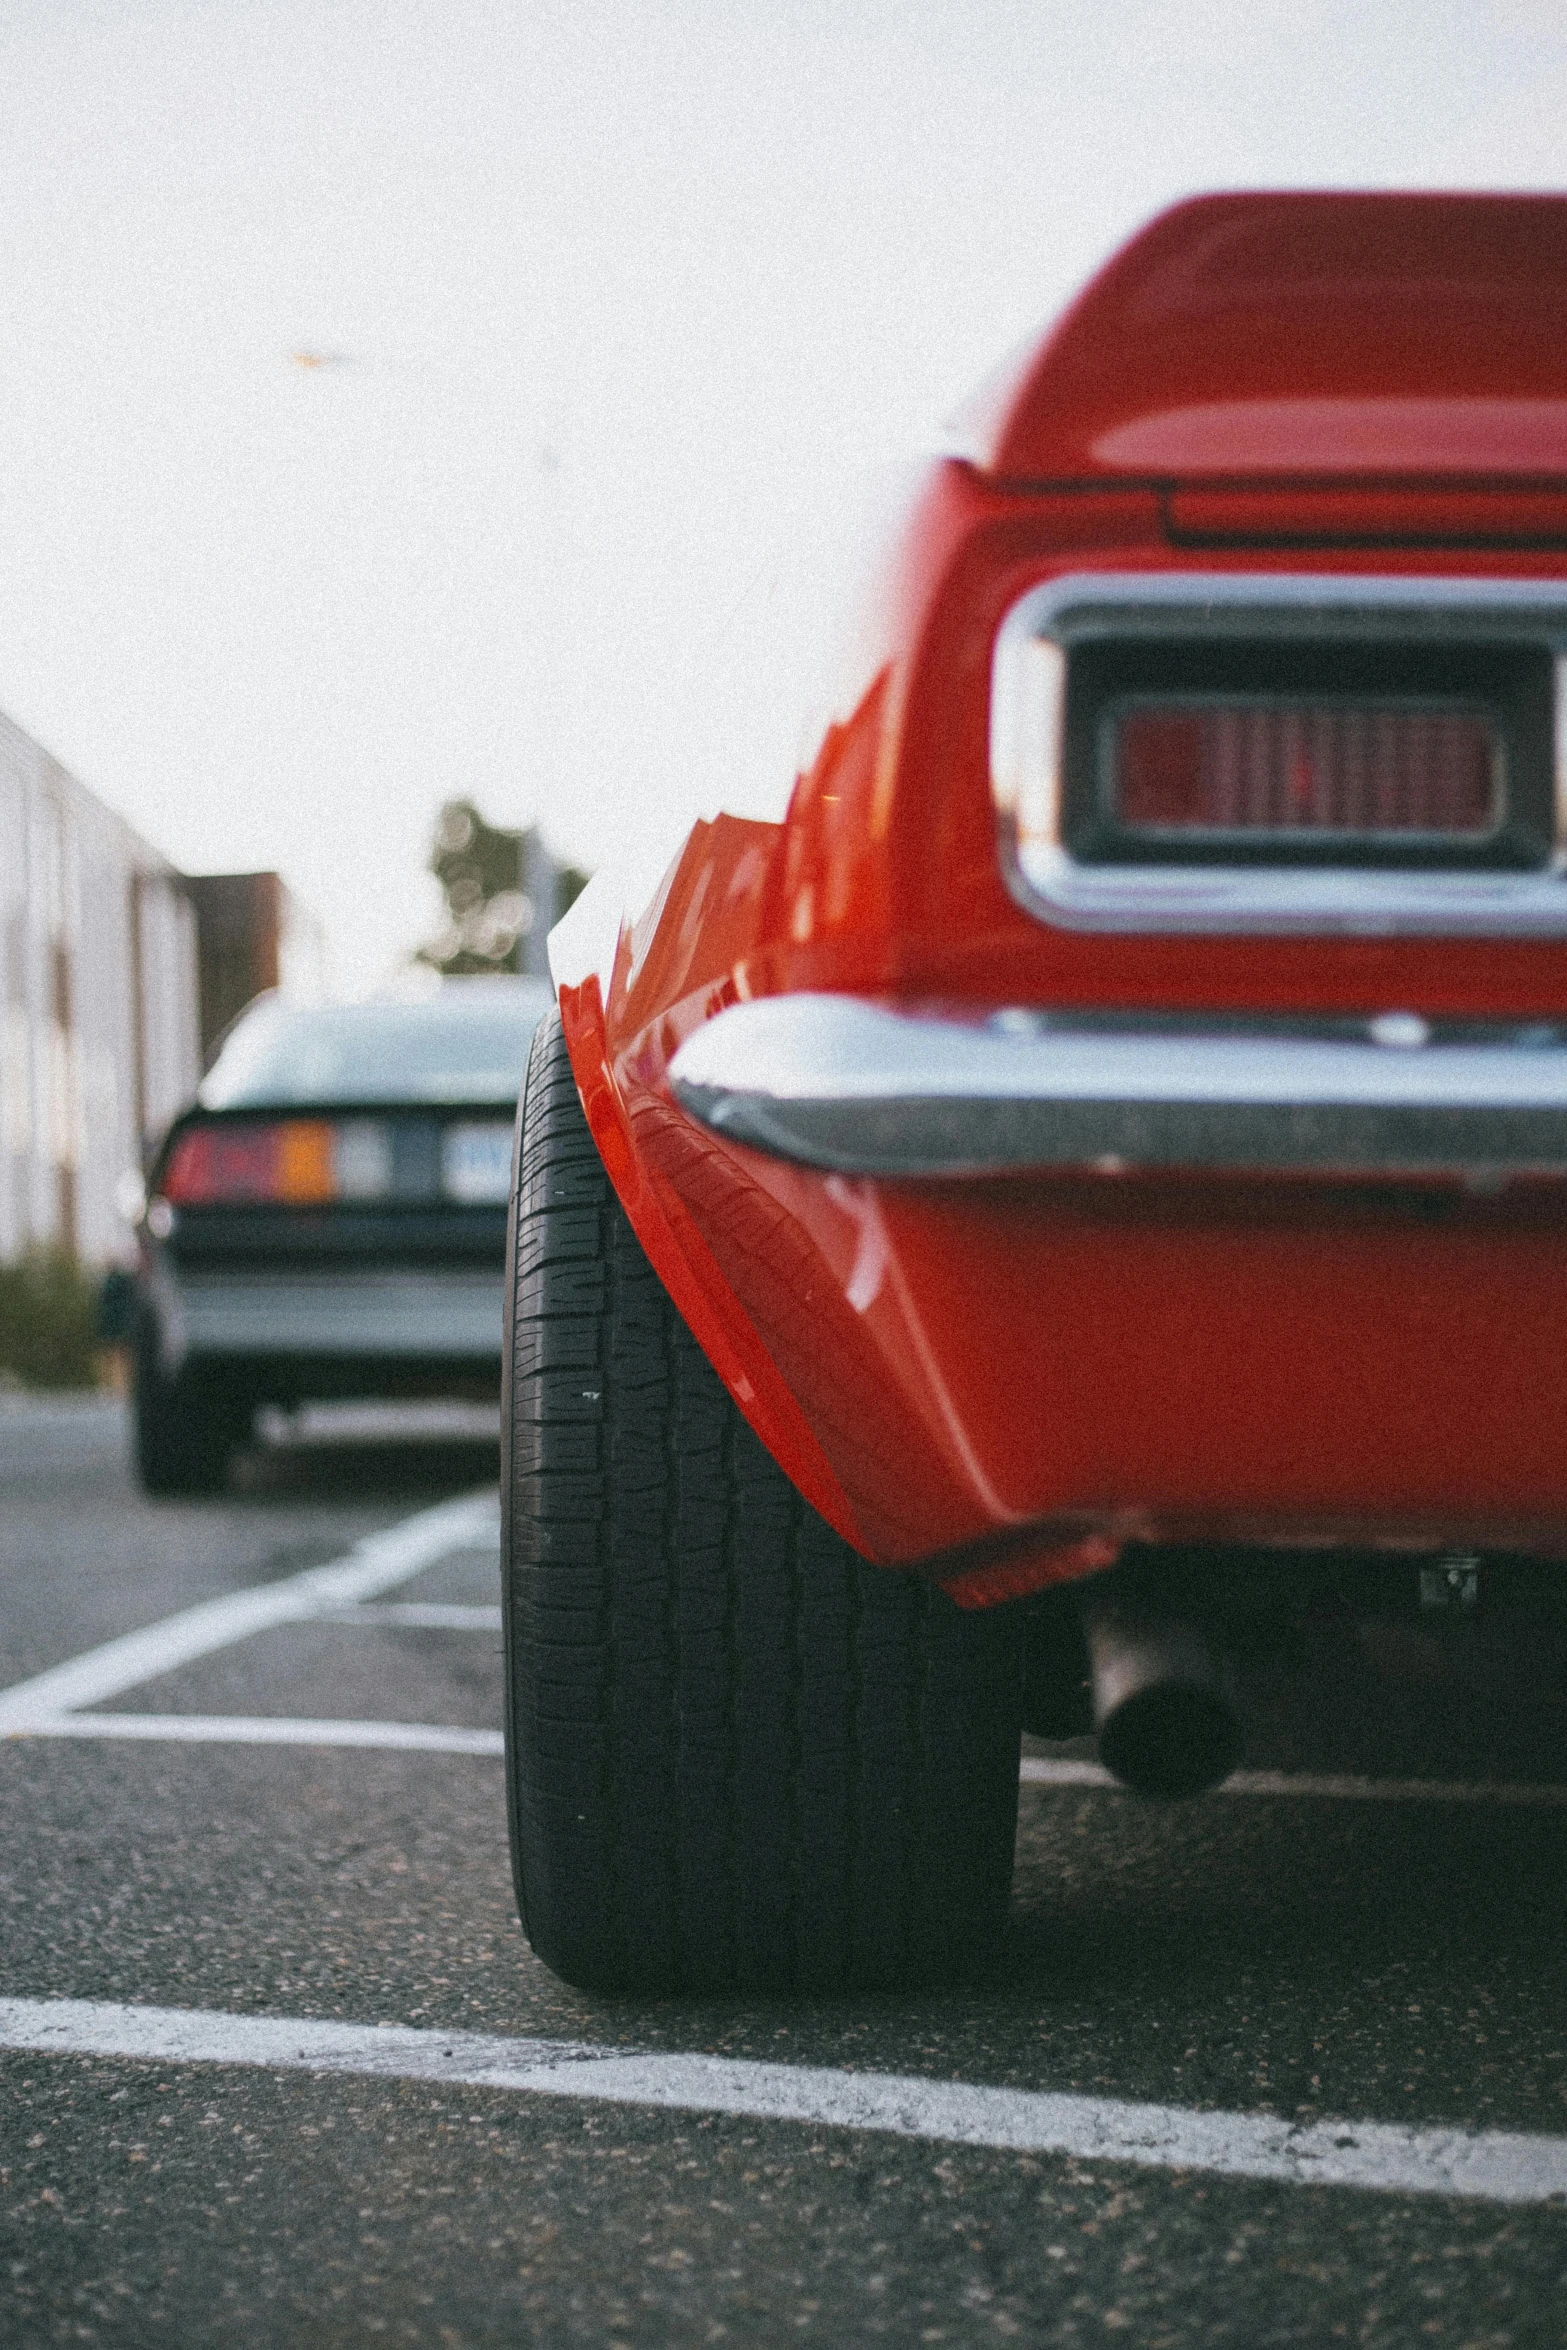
<point x="328" y="1218"/>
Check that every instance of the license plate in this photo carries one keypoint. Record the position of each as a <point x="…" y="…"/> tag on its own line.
<point x="476" y="1162"/>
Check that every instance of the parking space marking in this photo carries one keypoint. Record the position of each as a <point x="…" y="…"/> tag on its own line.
<point x="272" y="1730"/>
<point x="378" y="1563"/>
<point x="63" y="1702"/>
<point x="433" y="1615"/>
<point x="1494" y="2166"/>
<point x="1038" y="1770"/>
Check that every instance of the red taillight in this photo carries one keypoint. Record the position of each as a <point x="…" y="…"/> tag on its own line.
<point x="288" y="1160"/>
<point x="1282" y="767"/>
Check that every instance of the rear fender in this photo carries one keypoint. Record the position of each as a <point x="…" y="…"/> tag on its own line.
<point x="686" y="1266"/>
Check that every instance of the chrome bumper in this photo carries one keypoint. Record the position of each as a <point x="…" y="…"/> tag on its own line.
<point x="839" y="1083"/>
<point x="353" y="1315"/>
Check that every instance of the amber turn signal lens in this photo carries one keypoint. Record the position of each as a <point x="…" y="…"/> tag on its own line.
<point x="304" y="1161"/>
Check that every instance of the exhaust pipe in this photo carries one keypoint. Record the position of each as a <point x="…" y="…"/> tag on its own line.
<point x="1164" y="1721"/>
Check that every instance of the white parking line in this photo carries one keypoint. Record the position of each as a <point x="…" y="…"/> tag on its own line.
<point x="441" y="1738"/>
<point x="272" y="1730"/>
<point x="420" y="1615"/>
<point x="377" y="1564"/>
<point x="1038" y="1770"/>
<point x="1494" y="2166"/>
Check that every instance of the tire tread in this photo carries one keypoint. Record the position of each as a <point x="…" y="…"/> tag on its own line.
<point x="738" y="1756"/>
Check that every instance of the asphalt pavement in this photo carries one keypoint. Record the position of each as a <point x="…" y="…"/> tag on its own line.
<point x="251" y="1791"/>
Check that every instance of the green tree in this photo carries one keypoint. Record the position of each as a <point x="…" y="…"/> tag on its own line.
<point x="504" y="892"/>
<point x="480" y="869"/>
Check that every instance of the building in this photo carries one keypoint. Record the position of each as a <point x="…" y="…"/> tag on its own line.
<point x="251" y="933"/>
<point x="98" y="995"/>
<point x="116" y="974"/>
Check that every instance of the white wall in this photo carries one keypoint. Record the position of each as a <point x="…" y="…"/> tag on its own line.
<point x="98" y="1037"/>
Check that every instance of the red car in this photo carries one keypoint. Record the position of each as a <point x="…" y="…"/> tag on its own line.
<point x="1096" y="1167"/>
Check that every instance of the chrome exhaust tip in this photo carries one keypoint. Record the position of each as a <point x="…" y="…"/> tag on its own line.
<point x="1164" y="1720"/>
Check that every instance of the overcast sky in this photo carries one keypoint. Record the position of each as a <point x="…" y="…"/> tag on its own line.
<point x="618" y="301"/>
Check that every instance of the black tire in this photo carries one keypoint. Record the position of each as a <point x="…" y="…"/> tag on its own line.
<point x="738" y="1757"/>
<point x="185" y="1426"/>
<point x="1057" y="1696"/>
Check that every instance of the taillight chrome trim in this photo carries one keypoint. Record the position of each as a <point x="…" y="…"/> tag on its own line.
<point x="1027" y="712"/>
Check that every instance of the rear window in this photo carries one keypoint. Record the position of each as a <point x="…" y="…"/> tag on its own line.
<point x="469" y="1044"/>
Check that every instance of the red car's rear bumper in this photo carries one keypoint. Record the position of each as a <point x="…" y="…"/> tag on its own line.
<point x="1186" y="1305"/>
